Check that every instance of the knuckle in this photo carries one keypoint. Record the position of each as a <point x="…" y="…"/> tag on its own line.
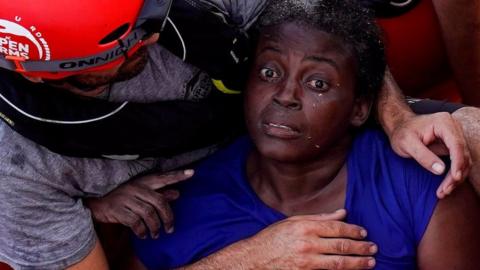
<point x="302" y="263"/>
<point x="139" y="228"/>
<point x="443" y="115"/>
<point x="302" y="247"/>
<point x="340" y="229"/>
<point x="160" y="199"/>
<point x="130" y="221"/>
<point x="149" y="211"/>
<point x="137" y="224"/>
<point x="343" y="246"/>
<point x="338" y="263"/>
<point x="401" y="137"/>
<point x="300" y="228"/>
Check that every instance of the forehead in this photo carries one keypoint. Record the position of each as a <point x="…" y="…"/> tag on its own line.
<point x="303" y="38"/>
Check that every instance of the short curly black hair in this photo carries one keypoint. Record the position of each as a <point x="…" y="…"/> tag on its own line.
<point x="344" y="19"/>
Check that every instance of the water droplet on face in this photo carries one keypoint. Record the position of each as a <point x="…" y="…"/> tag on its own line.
<point x="320" y="94"/>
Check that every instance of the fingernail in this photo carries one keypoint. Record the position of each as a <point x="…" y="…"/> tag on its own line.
<point x="458" y="175"/>
<point x="371" y="263"/>
<point x="170" y="230"/>
<point x="188" y="172"/>
<point x="363" y="233"/>
<point x="373" y="249"/>
<point x="438" y="168"/>
<point x="155" y="236"/>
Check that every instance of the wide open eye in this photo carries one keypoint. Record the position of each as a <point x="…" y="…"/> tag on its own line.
<point x="268" y="74"/>
<point x="318" y="85"/>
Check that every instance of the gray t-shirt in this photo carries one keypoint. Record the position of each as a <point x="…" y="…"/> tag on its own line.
<point x="43" y="222"/>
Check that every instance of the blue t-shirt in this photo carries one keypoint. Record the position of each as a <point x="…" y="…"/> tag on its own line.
<point x="392" y="197"/>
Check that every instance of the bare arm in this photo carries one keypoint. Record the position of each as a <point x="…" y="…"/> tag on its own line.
<point x="469" y="119"/>
<point x="300" y="242"/>
<point x="95" y="260"/>
<point x="460" y="25"/>
<point x="452" y="239"/>
<point x="392" y="108"/>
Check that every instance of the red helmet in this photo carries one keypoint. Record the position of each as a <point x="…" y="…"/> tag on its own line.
<point x="56" y="39"/>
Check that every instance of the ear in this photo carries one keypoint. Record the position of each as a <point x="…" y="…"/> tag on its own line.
<point x="361" y="111"/>
<point x="33" y="79"/>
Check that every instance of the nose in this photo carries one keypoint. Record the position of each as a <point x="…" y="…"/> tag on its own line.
<point x="288" y="95"/>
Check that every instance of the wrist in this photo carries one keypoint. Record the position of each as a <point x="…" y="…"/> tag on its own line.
<point x="394" y="118"/>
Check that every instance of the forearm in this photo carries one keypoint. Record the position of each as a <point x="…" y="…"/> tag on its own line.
<point x="236" y="256"/>
<point x="460" y="25"/>
<point x="391" y="108"/>
<point x="469" y="118"/>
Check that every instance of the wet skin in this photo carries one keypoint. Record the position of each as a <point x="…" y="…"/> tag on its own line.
<point x="300" y="106"/>
<point x="300" y="94"/>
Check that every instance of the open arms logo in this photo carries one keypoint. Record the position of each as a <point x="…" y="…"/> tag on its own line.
<point x="16" y="40"/>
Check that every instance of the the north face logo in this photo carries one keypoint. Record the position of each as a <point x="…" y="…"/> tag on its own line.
<point x="28" y="43"/>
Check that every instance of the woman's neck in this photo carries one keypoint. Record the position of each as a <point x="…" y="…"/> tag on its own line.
<point x="298" y="188"/>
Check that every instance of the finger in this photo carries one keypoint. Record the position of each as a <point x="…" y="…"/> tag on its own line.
<point x="454" y="140"/>
<point x="166" y="214"/>
<point x="135" y="223"/>
<point x="147" y="213"/>
<point x="342" y="246"/>
<point x="170" y="195"/>
<point x="448" y="185"/>
<point x="447" y="181"/>
<point x="162" y="208"/>
<point x="161" y="180"/>
<point x="340" y="214"/>
<point x="338" y="229"/>
<point x="342" y="262"/>
<point x="426" y="158"/>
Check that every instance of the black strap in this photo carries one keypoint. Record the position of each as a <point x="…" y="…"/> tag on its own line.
<point x="427" y="106"/>
<point x="156" y="129"/>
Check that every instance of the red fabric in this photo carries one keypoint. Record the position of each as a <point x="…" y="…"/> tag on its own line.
<point x="416" y="54"/>
<point x="4" y="267"/>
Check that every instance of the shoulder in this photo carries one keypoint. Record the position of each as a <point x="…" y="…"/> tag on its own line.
<point x="406" y="191"/>
<point x="221" y="172"/>
<point x="452" y="239"/>
<point x="375" y="145"/>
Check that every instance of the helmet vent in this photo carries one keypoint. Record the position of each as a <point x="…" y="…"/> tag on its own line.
<point x="115" y="34"/>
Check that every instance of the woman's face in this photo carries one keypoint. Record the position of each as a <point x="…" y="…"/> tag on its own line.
<point x="300" y="97"/>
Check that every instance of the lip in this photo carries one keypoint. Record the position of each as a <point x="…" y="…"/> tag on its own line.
<point x="280" y="130"/>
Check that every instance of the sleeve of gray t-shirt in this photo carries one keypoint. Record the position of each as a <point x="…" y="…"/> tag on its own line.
<point x="43" y="223"/>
